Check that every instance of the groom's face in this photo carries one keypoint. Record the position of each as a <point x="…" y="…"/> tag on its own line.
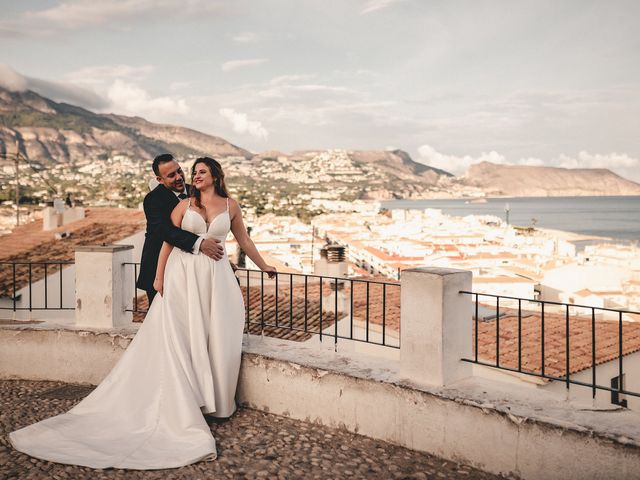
<point x="171" y="176"/>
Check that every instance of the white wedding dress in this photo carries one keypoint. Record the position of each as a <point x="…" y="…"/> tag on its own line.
<point x="183" y="362"/>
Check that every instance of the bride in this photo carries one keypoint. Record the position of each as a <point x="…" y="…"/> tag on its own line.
<point x="183" y="362"/>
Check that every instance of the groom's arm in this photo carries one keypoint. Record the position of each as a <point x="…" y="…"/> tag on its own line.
<point x="158" y="221"/>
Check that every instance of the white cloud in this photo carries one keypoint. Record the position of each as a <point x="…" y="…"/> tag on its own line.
<point x="120" y="84"/>
<point x="288" y="91"/>
<point x="235" y="64"/>
<point x="85" y="14"/>
<point x="57" y="91"/>
<point x="452" y="163"/>
<point x="12" y="80"/>
<point x="588" y="160"/>
<point x="532" y="162"/>
<point x="289" y="87"/>
<point x="375" y="5"/>
<point x="131" y="99"/>
<point x="620" y="163"/>
<point x="241" y="124"/>
<point x="179" y="85"/>
<point x="245" y="37"/>
<point x="101" y="74"/>
<point x="286" y="79"/>
<point x="118" y="95"/>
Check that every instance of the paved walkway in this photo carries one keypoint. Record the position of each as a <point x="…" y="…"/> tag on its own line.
<point x="251" y="445"/>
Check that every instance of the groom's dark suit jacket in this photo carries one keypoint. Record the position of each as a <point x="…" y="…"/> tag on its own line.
<point x="158" y="205"/>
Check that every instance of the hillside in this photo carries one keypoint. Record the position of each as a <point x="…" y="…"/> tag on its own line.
<point x="363" y="174"/>
<point x="67" y="138"/>
<point x="525" y="181"/>
<point x="50" y="132"/>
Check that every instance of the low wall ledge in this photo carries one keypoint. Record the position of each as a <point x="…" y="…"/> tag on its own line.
<point x="103" y="248"/>
<point x="434" y="270"/>
<point x="519" y="406"/>
<point x="126" y="333"/>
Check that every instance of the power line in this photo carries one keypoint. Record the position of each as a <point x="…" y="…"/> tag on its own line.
<point x="44" y="180"/>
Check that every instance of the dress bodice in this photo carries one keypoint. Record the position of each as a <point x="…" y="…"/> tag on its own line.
<point x="219" y="227"/>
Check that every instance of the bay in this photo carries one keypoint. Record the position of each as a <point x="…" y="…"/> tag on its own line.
<point x="613" y="217"/>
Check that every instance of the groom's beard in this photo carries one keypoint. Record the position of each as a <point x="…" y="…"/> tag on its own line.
<point x="179" y="187"/>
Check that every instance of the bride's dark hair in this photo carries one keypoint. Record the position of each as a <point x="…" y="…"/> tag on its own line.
<point x="216" y="173"/>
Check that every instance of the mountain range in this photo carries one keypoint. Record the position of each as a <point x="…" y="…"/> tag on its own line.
<point x="51" y="132"/>
<point x="48" y="132"/>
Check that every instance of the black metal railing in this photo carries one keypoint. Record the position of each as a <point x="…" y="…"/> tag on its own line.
<point x="42" y="283"/>
<point x="295" y="306"/>
<point x="347" y="313"/>
<point x="554" y="340"/>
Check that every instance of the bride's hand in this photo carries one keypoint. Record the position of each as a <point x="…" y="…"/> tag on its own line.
<point x="270" y="271"/>
<point x="158" y="285"/>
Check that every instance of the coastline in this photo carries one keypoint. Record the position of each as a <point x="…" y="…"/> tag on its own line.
<point x="575" y="219"/>
<point x="492" y="197"/>
<point x="573" y="236"/>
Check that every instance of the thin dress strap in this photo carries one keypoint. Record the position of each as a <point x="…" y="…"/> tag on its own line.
<point x="227" y="204"/>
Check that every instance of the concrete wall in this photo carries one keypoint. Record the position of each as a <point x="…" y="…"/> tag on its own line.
<point x="62" y="354"/>
<point x="427" y="399"/>
<point x="531" y="434"/>
<point x="456" y="426"/>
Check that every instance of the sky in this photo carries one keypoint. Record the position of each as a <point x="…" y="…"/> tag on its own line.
<point x="450" y="82"/>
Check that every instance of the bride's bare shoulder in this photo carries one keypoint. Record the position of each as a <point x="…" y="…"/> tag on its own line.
<point x="179" y="211"/>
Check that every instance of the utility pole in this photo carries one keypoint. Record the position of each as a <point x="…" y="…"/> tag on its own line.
<point x="17" y="156"/>
<point x="313" y="236"/>
<point x="17" y="165"/>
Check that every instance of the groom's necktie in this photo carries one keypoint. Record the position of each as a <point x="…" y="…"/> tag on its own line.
<point x="182" y="196"/>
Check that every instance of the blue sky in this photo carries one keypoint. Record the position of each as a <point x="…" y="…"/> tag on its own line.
<point x="451" y="82"/>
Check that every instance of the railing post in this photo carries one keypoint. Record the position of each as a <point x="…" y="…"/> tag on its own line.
<point x="435" y="325"/>
<point x="102" y="286"/>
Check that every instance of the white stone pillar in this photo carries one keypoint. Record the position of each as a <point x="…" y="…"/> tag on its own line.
<point x="102" y="288"/>
<point x="51" y="219"/>
<point x="435" y="325"/>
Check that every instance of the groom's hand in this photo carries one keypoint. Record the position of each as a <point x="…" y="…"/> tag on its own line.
<point x="212" y="248"/>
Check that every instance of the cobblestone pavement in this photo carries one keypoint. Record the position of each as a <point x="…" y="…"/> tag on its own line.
<point x="251" y="445"/>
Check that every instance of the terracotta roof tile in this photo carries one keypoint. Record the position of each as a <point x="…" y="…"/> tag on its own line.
<point x="29" y="243"/>
<point x="293" y="313"/>
<point x="607" y="345"/>
<point x="580" y="348"/>
<point x="291" y="323"/>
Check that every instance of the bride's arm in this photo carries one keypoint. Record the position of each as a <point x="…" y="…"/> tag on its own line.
<point x="244" y="240"/>
<point x="176" y="219"/>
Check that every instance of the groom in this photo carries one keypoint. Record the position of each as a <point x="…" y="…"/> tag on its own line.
<point x="158" y="205"/>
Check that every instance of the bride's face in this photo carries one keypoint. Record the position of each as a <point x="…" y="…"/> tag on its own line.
<point x="202" y="177"/>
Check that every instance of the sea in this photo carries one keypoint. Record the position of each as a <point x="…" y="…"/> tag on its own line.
<point x="617" y="218"/>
